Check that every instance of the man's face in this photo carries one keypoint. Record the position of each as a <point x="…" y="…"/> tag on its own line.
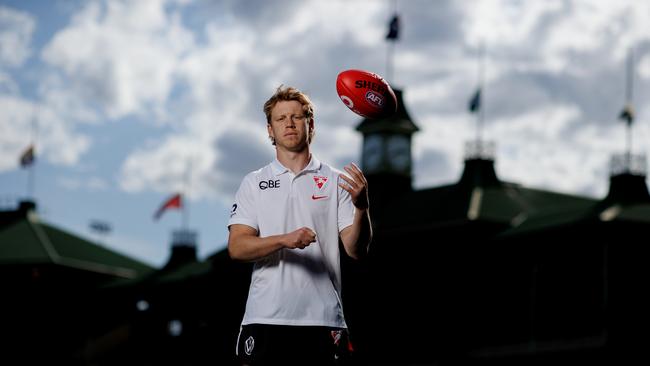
<point x="289" y="126"/>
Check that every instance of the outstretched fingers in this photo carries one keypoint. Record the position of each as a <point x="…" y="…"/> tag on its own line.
<point x="356" y="184"/>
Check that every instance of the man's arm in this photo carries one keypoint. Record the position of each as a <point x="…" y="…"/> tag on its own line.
<point x="245" y="245"/>
<point x="356" y="238"/>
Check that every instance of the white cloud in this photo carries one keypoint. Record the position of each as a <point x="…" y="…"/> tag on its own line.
<point x="60" y="142"/>
<point x="356" y="23"/>
<point x="189" y="79"/>
<point x="506" y="23"/>
<point x="228" y="78"/>
<point x="124" y="57"/>
<point x="438" y="147"/>
<point x="130" y="57"/>
<point x="644" y="67"/>
<point x="533" y="150"/>
<point x="165" y="166"/>
<point x="24" y="121"/>
<point x="207" y="83"/>
<point x="15" y="130"/>
<point x="555" y="35"/>
<point x="16" y="29"/>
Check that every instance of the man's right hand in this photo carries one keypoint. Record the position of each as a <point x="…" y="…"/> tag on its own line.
<point x="244" y="245"/>
<point x="300" y="238"/>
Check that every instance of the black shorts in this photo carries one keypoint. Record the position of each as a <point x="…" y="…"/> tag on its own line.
<point x="263" y="344"/>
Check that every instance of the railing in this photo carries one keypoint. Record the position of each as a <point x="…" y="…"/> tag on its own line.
<point x="480" y="149"/>
<point x="628" y="163"/>
<point x="184" y="237"/>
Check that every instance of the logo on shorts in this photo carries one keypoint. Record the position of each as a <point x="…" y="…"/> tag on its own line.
<point x="249" y="345"/>
<point x="336" y="336"/>
<point x="233" y="211"/>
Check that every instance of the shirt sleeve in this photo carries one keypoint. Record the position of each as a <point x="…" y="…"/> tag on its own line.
<point x="243" y="210"/>
<point x="345" y="207"/>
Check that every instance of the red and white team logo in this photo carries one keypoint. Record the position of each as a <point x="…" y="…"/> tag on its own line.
<point x="320" y="181"/>
<point x="336" y="336"/>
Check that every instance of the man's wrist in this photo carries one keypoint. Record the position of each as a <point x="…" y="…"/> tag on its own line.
<point x="361" y="211"/>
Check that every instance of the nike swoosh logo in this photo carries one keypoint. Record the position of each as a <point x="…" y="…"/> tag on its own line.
<point x="314" y="197"/>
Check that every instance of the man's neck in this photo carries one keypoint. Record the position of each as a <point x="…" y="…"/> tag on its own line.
<point x="294" y="161"/>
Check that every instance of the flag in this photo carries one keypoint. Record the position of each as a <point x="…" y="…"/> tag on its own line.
<point x="173" y="202"/>
<point x="627" y="114"/>
<point x="393" y="28"/>
<point x="475" y="102"/>
<point x="27" y="157"/>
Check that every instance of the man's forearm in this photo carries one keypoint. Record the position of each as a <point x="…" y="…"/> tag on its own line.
<point x="245" y="245"/>
<point x="357" y="237"/>
<point x="250" y="248"/>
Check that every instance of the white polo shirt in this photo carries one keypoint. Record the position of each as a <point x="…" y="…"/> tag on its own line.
<point x="295" y="286"/>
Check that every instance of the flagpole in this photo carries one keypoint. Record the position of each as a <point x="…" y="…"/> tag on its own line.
<point x="481" y="80"/>
<point x="628" y="97"/>
<point x="390" y="50"/>
<point x="31" y="184"/>
<point x="184" y="193"/>
<point x="389" y="62"/>
<point x="184" y="216"/>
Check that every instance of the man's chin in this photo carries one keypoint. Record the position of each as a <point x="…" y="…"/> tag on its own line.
<point x="296" y="148"/>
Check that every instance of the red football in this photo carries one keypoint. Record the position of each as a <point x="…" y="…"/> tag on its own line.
<point x="366" y="94"/>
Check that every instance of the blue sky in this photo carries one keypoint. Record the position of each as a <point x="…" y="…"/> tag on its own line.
<point x="135" y="100"/>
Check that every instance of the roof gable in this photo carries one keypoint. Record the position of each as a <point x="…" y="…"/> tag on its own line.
<point x="27" y="241"/>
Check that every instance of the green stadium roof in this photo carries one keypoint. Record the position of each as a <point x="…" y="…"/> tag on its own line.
<point x="478" y="196"/>
<point x="26" y="240"/>
<point x="627" y="201"/>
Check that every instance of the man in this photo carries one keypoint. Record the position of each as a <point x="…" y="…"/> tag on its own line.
<point x="288" y="217"/>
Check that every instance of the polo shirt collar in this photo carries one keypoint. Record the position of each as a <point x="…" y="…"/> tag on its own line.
<point x="313" y="166"/>
<point x="277" y="167"/>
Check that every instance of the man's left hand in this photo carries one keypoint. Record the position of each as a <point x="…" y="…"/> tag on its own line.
<point x="357" y="186"/>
